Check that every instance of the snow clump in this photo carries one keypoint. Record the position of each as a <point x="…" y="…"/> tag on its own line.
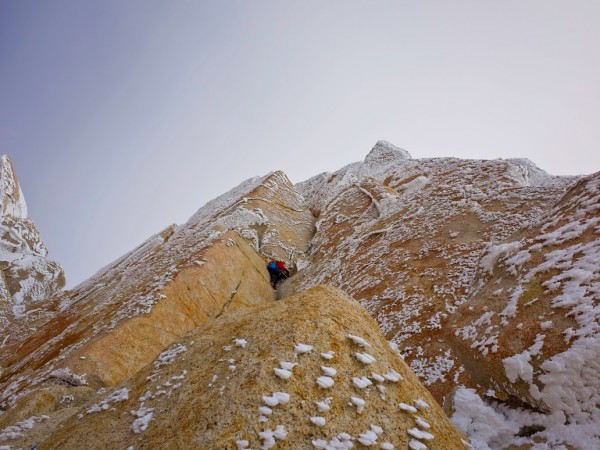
<point x="144" y="416"/>
<point x="358" y="340"/>
<point x="419" y="434"/>
<point x="393" y="376"/>
<point x="241" y="342"/>
<point x="119" y="395"/>
<point x="407" y="408"/>
<point x="416" y="445"/>
<point x="420" y="404"/>
<point x="287" y="365"/>
<point x="359" y="403"/>
<point x="365" y="358"/>
<point x="282" y="373"/>
<point x="242" y="444"/>
<point x="342" y="441"/>
<point x="329" y="371"/>
<point x="302" y="348"/>
<point x="168" y="356"/>
<point x="318" y="421"/>
<point x="361" y="383"/>
<point x="278" y="398"/>
<point x="377" y="377"/>
<point x="367" y="438"/>
<point x="324" y="405"/>
<point x="328" y="355"/>
<point x="325" y="382"/>
<point x="65" y="375"/>
<point x="269" y="436"/>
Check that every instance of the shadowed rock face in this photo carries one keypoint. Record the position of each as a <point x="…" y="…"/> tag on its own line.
<point x="26" y="276"/>
<point x="218" y="385"/>
<point x="531" y="329"/>
<point x="404" y="238"/>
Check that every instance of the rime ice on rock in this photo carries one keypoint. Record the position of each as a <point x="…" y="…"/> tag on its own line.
<point x="242" y="444"/>
<point x="393" y="376"/>
<point x="287" y="365"/>
<point x="278" y="398"/>
<point x="431" y="220"/>
<point x="318" y="421"/>
<point x="265" y="410"/>
<point x="367" y="438"/>
<point x="325" y="382"/>
<point x="358" y="340"/>
<point x="328" y="355"/>
<point x="359" y="403"/>
<point x="66" y="376"/>
<point x="144" y="417"/>
<point x="365" y="358"/>
<point x="377" y="377"/>
<point x="302" y="348"/>
<point x="421" y="404"/>
<point x="419" y="434"/>
<point x="269" y="437"/>
<point x="240" y="342"/>
<point x="422" y="423"/>
<point x="407" y="408"/>
<point x="329" y="371"/>
<point x="282" y="373"/>
<point x="27" y="276"/>
<point x="416" y="445"/>
<point x="324" y="405"/>
<point x="361" y="383"/>
<point x="119" y="395"/>
<point x="542" y="327"/>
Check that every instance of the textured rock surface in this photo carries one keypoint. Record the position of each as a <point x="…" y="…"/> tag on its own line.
<point x="206" y="390"/>
<point x="124" y="316"/>
<point x="477" y="270"/>
<point x="26" y="275"/>
<point x="532" y="328"/>
<point x="404" y="237"/>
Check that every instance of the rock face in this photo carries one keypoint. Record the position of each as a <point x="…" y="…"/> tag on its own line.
<point x="26" y="275"/>
<point x="108" y="328"/>
<point x="404" y="238"/>
<point x="532" y="327"/>
<point x="219" y="386"/>
<point x="485" y="276"/>
<point x="122" y="318"/>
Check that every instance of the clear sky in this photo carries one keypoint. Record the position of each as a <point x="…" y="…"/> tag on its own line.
<point x="122" y="117"/>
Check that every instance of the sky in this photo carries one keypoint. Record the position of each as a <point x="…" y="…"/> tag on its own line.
<point x="122" y="117"/>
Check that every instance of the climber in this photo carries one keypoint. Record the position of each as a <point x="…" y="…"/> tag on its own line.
<point x="277" y="271"/>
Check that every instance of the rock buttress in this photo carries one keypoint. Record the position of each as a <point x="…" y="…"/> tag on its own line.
<point x="218" y="386"/>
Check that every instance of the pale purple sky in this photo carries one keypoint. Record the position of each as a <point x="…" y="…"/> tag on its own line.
<point x="122" y="117"/>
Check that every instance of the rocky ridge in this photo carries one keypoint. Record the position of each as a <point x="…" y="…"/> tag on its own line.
<point x="26" y="275"/>
<point x="481" y="273"/>
<point x="404" y="238"/>
<point x="204" y="278"/>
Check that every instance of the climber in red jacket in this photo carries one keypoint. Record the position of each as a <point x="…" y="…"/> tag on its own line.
<point x="277" y="271"/>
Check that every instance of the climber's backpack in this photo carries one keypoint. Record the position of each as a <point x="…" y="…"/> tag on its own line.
<point x="272" y="266"/>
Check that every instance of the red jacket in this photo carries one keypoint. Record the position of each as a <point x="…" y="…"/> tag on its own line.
<point x="280" y="265"/>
